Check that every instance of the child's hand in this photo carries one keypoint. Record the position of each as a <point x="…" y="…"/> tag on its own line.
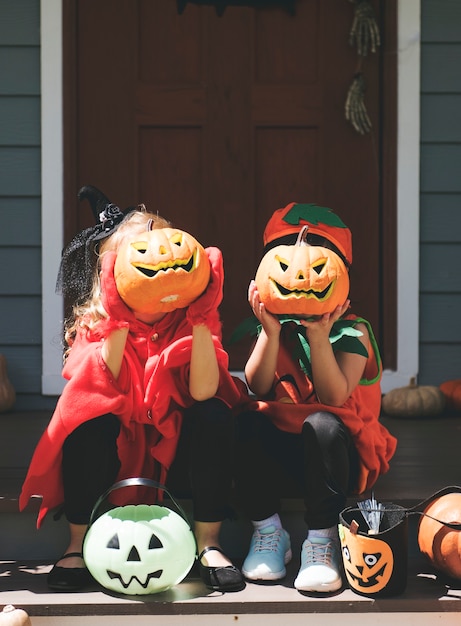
<point x="270" y="323"/>
<point x="204" y="310"/>
<point x="116" y="309"/>
<point x="110" y="298"/>
<point x="323" y="324"/>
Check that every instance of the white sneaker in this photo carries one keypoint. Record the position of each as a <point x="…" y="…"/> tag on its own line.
<point x="320" y="569"/>
<point x="269" y="552"/>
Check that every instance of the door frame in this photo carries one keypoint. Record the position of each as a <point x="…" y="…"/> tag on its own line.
<point x="407" y="193"/>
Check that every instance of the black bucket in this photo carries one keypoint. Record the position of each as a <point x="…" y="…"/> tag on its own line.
<point x="376" y="562"/>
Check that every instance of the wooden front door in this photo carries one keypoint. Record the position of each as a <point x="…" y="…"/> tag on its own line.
<point x="216" y="121"/>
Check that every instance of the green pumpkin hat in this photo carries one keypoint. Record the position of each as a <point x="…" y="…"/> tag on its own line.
<point x="319" y="220"/>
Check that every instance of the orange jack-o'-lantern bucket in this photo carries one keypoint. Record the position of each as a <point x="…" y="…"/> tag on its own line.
<point x="375" y="562"/>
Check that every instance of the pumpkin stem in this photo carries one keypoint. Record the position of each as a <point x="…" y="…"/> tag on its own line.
<point x="413" y="381"/>
<point x="301" y="241"/>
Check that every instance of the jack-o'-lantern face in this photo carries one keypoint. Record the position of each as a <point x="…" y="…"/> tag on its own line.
<point x="139" y="549"/>
<point x="302" y="280"/>
<point x="368" y="561"/>
<point x="161" y="270"/>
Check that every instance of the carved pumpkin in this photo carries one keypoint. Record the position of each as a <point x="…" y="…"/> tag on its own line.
<point x="309" y="277"/>
<point x="439" y="543"/>
<point x="414" y="401"/>
<point x="451" y="389"/>
<point x="302" y="280"/>
<point x="11" y="616"/>
<point x="139" y="549"/>
<point x="161" y="270"/>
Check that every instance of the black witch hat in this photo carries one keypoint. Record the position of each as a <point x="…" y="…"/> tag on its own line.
<point x="79" y="257"/>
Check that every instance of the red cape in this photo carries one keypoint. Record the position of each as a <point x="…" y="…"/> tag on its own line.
<point x="148" y="397"/>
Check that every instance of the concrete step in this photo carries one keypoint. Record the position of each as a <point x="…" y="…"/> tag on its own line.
<point x="427" y="600"/>
<point x="421" y="466"/>
<point x="429" y="597"/>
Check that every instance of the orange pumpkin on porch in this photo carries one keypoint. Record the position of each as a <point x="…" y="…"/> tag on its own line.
<point x="7" y="392"/>
<point x="302" y="280"/>
<point x="451" y="389"/>
<point x="161" y="270"/>
<point x="439" y="543"/>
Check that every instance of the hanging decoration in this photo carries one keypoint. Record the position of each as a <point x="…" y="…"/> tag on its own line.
<point x="220" y="5"/>
<point x="364" y="35"/>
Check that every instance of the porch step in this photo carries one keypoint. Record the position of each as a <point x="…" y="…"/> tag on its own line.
<point x="427" y="459"/>
<point x="428" y="599"/>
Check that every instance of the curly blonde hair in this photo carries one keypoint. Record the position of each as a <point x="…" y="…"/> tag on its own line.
<point x="86" y="315"/>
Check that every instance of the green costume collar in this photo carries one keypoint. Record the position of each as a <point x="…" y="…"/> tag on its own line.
<point x="344" y="337"/>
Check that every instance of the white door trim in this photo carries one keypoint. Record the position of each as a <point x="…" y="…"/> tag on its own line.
<point x="52" y="191"/>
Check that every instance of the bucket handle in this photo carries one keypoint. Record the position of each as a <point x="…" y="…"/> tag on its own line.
<point x="416" y="510"/>
<point x="136" y="482"/>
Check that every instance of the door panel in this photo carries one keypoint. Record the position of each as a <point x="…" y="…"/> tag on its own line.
<point x="215" y="122"/>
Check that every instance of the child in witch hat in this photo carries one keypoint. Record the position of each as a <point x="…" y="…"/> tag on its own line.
<point x="147" y="378"/>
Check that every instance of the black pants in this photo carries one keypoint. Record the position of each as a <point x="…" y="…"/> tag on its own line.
<point x="91" y="464"/>
<point x="322" y="460"/>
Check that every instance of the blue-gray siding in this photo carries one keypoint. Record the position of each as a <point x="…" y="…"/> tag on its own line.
<point x="20" y="238"/>
<point x="440" y="200"/>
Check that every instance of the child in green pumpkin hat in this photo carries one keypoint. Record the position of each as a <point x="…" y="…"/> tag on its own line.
<point x="315" y="416"/>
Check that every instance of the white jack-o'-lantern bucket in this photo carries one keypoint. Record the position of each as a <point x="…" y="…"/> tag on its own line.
<point x="139" y="548"/>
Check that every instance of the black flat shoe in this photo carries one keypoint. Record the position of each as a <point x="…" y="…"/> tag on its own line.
<point x="222" y="578"/>
<point x="68" y="578"/>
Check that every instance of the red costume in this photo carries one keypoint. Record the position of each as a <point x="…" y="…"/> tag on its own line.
<point x="293" y="399"/>
<point x="148" y="397"/>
